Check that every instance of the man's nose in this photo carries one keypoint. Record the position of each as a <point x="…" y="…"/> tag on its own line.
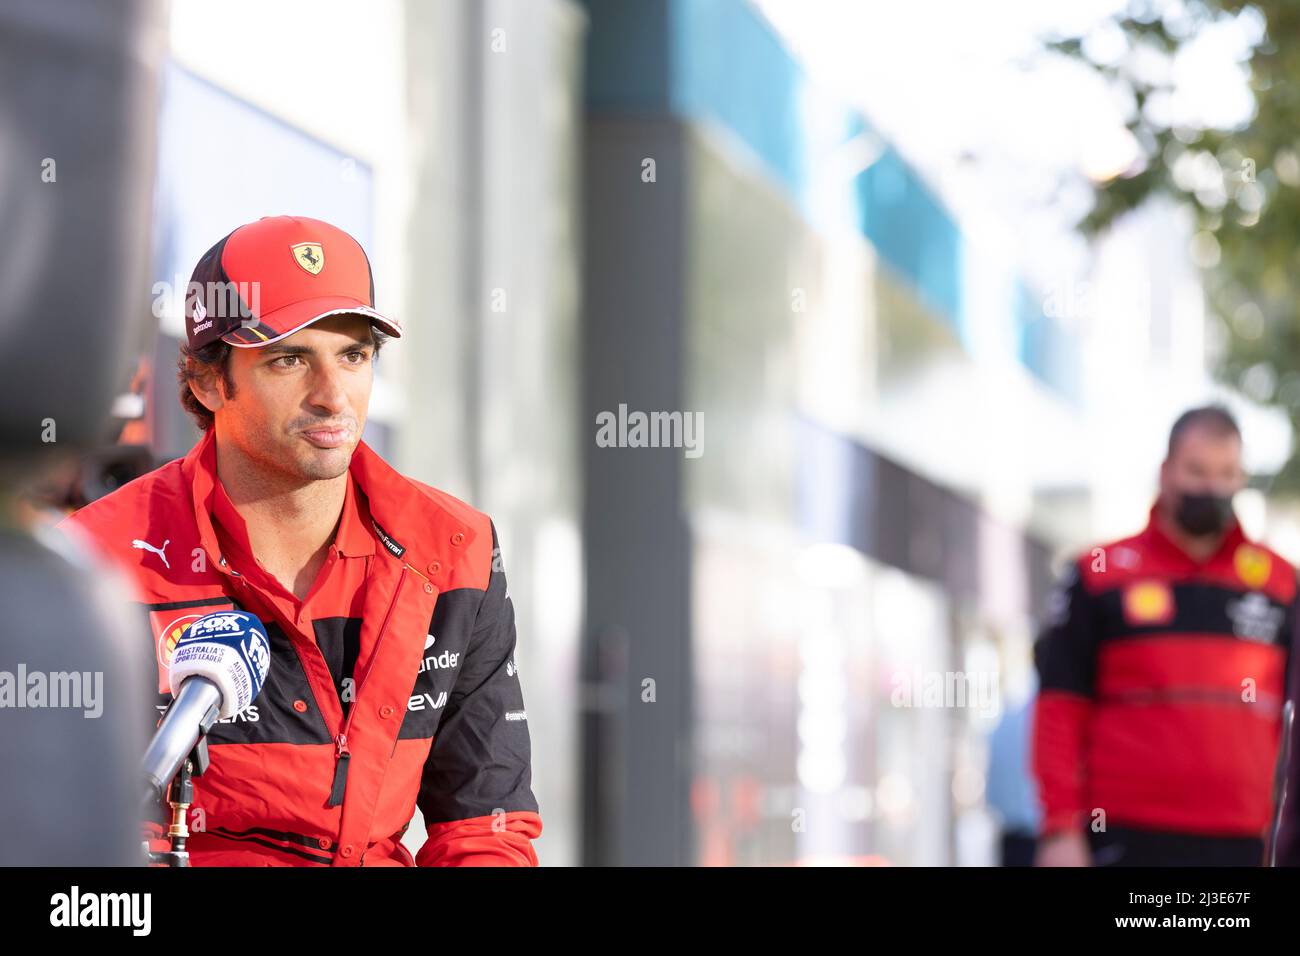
<point x="327" y="391"/>
<point x="1221" y="489"/>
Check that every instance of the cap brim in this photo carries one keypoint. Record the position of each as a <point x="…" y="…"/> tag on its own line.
<point x="296" y="317"/>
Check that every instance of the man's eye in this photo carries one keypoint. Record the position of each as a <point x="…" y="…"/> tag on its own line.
<point x="358" y="356"/>
<point x="285" y="361"/>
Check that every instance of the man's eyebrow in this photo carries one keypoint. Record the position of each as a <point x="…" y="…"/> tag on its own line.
<point x="282" y="348"/>
<point x="353" y="346"/>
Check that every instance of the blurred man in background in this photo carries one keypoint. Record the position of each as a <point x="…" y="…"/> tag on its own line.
<point x="1011" y="791"/>
<point x="1162" y="672"/>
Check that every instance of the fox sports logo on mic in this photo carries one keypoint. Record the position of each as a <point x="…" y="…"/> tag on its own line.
<point x="228" y="647"/>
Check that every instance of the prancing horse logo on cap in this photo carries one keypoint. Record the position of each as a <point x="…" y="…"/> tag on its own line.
<point x="310" y="256"/>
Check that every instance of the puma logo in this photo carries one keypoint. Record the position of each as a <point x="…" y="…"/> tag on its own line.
<point x="146" y="546"/>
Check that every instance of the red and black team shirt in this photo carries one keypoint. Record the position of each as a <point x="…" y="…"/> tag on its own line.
<point x="1161" y="685"/>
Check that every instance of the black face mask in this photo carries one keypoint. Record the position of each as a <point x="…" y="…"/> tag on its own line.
<point x="1204" y="514"/>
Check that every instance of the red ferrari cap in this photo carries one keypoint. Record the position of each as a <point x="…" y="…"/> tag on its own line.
<point x="270" y="278"/>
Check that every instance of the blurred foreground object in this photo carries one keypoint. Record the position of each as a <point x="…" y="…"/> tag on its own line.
<point x="78" y="85"/>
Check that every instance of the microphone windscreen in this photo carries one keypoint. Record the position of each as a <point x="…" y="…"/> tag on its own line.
<point x="229" y="648"/>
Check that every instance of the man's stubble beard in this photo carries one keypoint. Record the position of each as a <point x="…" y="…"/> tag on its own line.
<point x="322" y="470"/>
<point x="322" y="464"/>
<point x="301" y="462"/>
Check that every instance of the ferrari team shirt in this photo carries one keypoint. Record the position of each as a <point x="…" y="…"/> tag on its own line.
<point x="336" y="597"/>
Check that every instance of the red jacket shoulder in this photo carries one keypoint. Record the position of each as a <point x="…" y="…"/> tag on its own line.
<point x="461" y="510"/>
<point x="479" y="557"/>
<point x="129" y="508"/>
<point x="146" y="509"/>
<point x="1113" y="563"/>
<point x="1251" y="565"/>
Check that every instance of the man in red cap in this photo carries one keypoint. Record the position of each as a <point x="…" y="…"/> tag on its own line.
<point x="393" y="682"/>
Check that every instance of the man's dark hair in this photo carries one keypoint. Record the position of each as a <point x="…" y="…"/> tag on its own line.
<point x="1215" y="418"/>
<point x="214" y="359"/>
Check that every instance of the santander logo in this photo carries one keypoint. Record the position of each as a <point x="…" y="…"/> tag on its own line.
<point x="432" y="662"/>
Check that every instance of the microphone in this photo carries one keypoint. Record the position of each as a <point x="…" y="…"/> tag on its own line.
<point x="217" y="671"/>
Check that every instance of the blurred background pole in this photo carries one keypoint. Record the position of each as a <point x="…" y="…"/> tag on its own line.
<point x="638" y="744"/>
<point x="78" y="105"/>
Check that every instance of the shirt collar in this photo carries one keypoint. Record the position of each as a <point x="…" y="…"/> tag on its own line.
<point x="383" y="499"/>
<point x="211" y="503"/>
<point x="354" y="538"/>
<point x="1155" y="533"/>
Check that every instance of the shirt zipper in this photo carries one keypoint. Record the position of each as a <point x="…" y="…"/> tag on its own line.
<point x="342" y="755"/>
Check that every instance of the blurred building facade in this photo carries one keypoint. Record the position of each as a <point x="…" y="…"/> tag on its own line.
<point x="786" y="274"/>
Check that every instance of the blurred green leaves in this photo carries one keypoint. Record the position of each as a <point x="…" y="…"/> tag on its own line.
<point x="1242" y="184"/>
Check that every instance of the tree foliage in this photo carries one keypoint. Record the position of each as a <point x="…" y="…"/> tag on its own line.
<point x="1242" y="184"/>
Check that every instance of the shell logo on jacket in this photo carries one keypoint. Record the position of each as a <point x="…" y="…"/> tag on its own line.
<point x="360" y="721"/>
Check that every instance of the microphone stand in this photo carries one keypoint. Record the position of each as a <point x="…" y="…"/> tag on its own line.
<point x="180" y="795"/>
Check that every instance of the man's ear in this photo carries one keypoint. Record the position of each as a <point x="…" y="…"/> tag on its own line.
<point x="206" y="387"/>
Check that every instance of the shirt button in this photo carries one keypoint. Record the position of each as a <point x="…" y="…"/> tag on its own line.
<point x="323" y="843"/>
<point x="347" y="850"/>
<point x="457" y="539"/>
<point x="428" y="588"/>
<point x="435" y="568"/>
<point x="386" y="711"/>
<point x="300" y="706"/>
